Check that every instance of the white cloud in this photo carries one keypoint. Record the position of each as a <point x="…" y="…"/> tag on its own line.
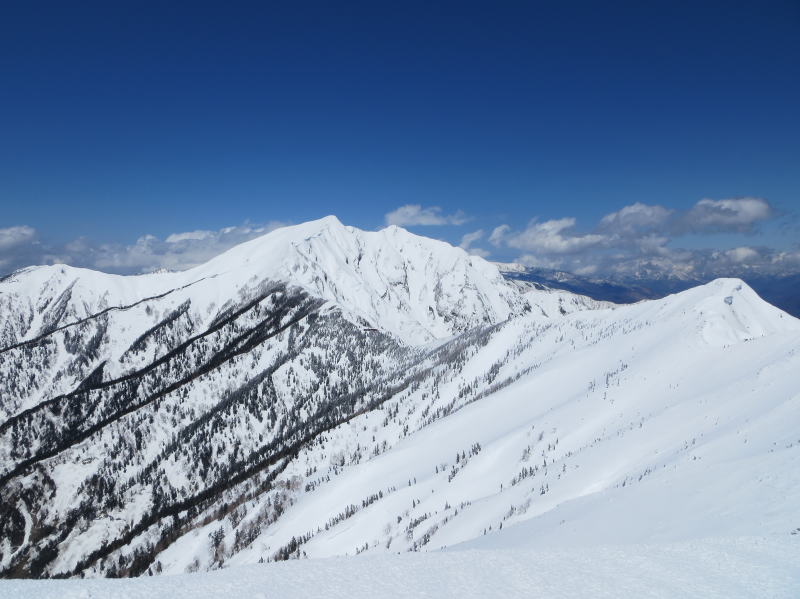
<point x="499" y="235"/>
<point x="549" y="237"/>
<point x="468" y="239"/>
<point x="535" y="261"/>
<point x="411" y="215"/>
<point x="14" y="236"/>
<point x="479" y="252"/>
<point x="586" y="271"/>
<point x="639" y="240"/>
<point x="742" y="254"/>
<point x="706" y="216"/>
<point x="177" y="251"/>
<point x="633" y="219"/>
<point x="652" y="243"/>
<point x="20" y="247"/>
<point x="737" y="214"/>
<point x="190" y="235"/>
<point x="789" y="260"/>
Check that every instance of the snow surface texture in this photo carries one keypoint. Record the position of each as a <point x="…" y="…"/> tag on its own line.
<point x="245" y="411"/>
<point x="711" y="569"/>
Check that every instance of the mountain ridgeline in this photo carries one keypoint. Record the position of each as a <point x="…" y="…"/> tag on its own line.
<point x="780" y="291"/>
<point x="328" y="391"/>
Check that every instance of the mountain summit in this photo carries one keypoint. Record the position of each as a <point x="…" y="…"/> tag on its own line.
<point x="413" y="287"/>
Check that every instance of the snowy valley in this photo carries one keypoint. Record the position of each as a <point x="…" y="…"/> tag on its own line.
<point x="326" y="392"/>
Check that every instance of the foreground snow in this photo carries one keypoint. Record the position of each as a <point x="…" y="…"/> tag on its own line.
<point x="725" y="568"/>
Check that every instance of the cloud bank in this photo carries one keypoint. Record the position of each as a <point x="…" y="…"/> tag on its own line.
<point x="640" y="240"/>
<point x="414" y="215"/>
<point x="637" y="241"/>
<point x="20" y="246"/>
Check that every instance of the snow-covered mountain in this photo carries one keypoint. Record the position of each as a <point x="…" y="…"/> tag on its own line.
<point x="415" y="288"/>
<point x="782" y="291"/>
<point x="324" y="391"/>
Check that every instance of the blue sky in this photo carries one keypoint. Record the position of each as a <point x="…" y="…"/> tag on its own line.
<point x="126" y="123"/>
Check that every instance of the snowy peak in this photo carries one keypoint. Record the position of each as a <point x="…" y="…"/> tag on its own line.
<point x="726" y="311"/>
<point x="418" y="289"/>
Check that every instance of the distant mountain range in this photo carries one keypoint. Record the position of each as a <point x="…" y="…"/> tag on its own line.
<point x="783" y="291"/>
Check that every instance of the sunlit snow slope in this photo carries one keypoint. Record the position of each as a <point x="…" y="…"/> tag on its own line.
<point x="246" y="411"/>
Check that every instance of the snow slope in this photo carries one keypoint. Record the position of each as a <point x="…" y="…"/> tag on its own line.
<point x="641" y="423"/>
<point x="264" y="423"/>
